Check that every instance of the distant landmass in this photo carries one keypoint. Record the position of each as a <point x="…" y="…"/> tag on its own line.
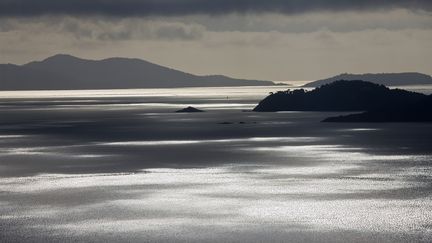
<point x="339" y="96"/>
<point x="388" y="79"/>
<point x="418" y="112"/>
<point x="69" y="72"/>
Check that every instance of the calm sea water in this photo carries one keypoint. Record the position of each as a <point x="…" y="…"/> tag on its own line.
<point x="120" y="165"/>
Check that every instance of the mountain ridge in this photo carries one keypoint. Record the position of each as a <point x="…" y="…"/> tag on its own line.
<point x="63" y="71"/>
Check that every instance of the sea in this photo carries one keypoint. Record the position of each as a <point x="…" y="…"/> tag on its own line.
<point x="123" y="166"/>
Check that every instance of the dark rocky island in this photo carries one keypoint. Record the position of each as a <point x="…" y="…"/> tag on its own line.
<point x="189" y="109"/>
<point x="388" y="79"/>
<point x="339" y="96"/>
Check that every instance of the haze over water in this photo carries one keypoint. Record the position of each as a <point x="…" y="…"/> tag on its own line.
<point x="120" y="165"/>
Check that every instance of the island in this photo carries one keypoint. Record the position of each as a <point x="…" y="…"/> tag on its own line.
<point x="388" y="79"/>
<point x="377" y="103"/>
<point x="339" y="96"/>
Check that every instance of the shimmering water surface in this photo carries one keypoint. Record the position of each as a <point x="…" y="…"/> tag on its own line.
<point x="120" y="165"/>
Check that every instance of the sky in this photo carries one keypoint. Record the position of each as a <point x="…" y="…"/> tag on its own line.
<point x="281" y="40"/>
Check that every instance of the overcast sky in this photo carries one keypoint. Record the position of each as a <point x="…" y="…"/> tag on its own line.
<point x="265" y="39"/>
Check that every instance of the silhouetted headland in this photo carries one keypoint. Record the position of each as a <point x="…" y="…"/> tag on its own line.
<point x="388" y="79"/>
<point x="65" y="72"/>
<point x="418" y="112"/>
<point x="339" y="96"/>
<point x="189" y="109"/>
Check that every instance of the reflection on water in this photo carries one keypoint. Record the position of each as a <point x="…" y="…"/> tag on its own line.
<point x="236" y="200"/>
<point x="104" y="166"/>
<point x="178" y="142"/>
<point x="245" y="91"/>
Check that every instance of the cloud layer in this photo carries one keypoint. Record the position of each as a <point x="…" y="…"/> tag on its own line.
<point x="271" y="39"/>
<point x="186" y="7"/>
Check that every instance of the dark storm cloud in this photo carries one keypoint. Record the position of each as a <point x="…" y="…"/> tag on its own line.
<point x="184" y="7"/>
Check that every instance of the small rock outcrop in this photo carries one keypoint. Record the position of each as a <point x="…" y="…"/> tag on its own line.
<point x="189" y="109"/>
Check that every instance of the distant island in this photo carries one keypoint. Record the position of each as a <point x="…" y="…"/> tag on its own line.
<point x="68" y="72"/>
<point x="418" y="112"/>
<point x="339" y="96"/>
<point x="388" y="79"/>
